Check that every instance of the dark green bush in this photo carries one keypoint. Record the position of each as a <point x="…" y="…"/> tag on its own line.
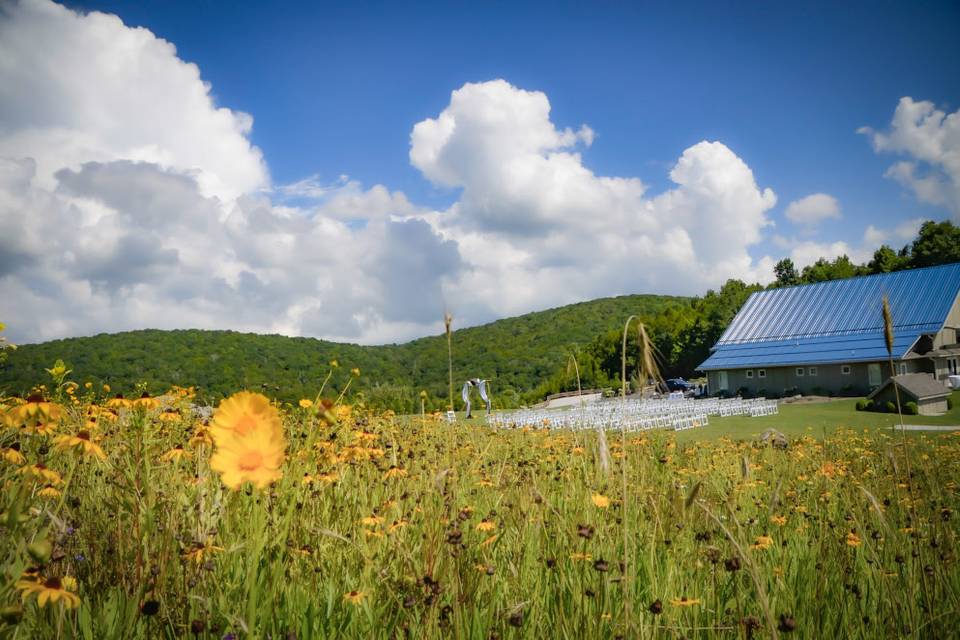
<point x="891" y="407"/>
<point x="949" y="404"/>
<point x="911" y="409"/>
<point x="862" y="404"/>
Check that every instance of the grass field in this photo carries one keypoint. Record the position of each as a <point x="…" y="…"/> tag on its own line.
<point x="139" y="519"/>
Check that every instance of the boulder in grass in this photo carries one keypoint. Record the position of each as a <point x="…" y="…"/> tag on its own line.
<point x="775" y="439"/>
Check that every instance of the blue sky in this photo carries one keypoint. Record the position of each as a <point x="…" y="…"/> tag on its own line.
<point x="352" y="170"/>
<point x="334" y="88"/>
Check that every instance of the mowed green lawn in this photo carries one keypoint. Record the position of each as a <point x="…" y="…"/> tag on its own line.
<point x="817" y="420"/>
<point x="813" y="419"/>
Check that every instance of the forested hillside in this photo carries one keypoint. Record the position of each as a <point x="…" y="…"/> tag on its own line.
<point x="525" y="358"/>
<point x="516" y="354"/>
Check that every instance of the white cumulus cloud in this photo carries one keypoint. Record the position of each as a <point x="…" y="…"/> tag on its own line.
<point x="76" y="88"/>
<point x="813" y="209"/>
<point x="130" y="199"/>
<point x="538" y="227"/>
<point x="930" y="137"/>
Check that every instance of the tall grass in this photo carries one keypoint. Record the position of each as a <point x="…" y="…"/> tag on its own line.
<point x="385" y="527"/>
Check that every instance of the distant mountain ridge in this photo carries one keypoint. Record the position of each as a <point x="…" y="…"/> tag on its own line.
<point x="514" y="353"/>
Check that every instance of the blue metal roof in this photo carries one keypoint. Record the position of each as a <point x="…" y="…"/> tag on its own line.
<point x="836" y="321"/>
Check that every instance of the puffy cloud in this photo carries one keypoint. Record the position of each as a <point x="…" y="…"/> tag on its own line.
<point x="129" y="199"/>
<point x="539" y="228"/>
<point x="84" y="87"/>
<point x="932" y="138"/>
<point x="902" y="233"/>
<point x="813" y="209"/>
<point x="807" y="252"/>
<point x="122" y="245"/>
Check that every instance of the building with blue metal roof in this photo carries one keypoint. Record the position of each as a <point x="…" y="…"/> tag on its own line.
<point x="827" y="338"/>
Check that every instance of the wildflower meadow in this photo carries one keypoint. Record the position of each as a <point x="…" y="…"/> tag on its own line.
<point x="153" y="517"/>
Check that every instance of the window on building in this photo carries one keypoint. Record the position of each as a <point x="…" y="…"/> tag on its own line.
<point x="902" y="368"/>
<point x="761" y="373"/>
<point x="800" y="372"/>
<point x="952" y="366"/>
<point x="845" y="369"/>
<point x="749" y="373"/>
<point x="812" y="371"/>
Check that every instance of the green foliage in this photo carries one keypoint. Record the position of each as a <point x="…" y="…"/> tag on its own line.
<point x="682" y="334"/>
<point x="515" y="354"/>
<point x="936" y="243"/>
<point x="911" y="409"/>
<point x="949" y="404"/>
<point x="862" y="404"/>
<point x="786" y="273"/>
<point x="891" y="407"/>
<point x="836" y="269"/>
<point x="886" y="260"/>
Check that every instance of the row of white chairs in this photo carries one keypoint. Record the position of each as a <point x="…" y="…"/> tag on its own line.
<point x="635" y="415"/>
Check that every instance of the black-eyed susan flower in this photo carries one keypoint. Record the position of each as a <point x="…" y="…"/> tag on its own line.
<point x="49" y="491"/>
<point x="762" y="542"/>
<point x="853" y="540"/>
<point x="174" y="455"/>
<point x="41" y="472"/>
<point x="50" y="590"/>
<point x="170" y="415"/>
<point x="146" y="401"/>
<point x="199" y="552"/>
<point x="684" y="601"/>
<point x="486" y="525"/>
<point x="34" y="416"/>
<point x="305" y="403"/>
<point x="118" y="401"/>
<point x="82" y="444"/>
<point x="600" y="501"/>
<point x="395" y="472"/>
<point x="354" y="597"/>
<point x="13" y="456"/>
<point x="201" y="437"/>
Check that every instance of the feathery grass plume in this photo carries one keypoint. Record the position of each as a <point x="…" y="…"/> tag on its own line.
<point x="447" y="321"/>
<point x="888" y="339"/>
<point x="692" y="495"/>
<point x="888" y="326"/>
<point x="647" y="369"/>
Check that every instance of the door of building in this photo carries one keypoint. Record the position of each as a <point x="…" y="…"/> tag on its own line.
<point x="873" y="375"/>
<point x="724" y="385"/>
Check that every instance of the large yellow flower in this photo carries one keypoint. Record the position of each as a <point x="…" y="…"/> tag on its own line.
<point x="249" y="437"/>
<point x="256" y="457"/>
<point x="244" y="413"/>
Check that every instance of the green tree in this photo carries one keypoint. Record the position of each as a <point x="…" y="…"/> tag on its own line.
<point x="936" y="243"/>
<point x="885" y="260"/>
<point x="824" y="269"/>
<point x="786" y="273"/>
